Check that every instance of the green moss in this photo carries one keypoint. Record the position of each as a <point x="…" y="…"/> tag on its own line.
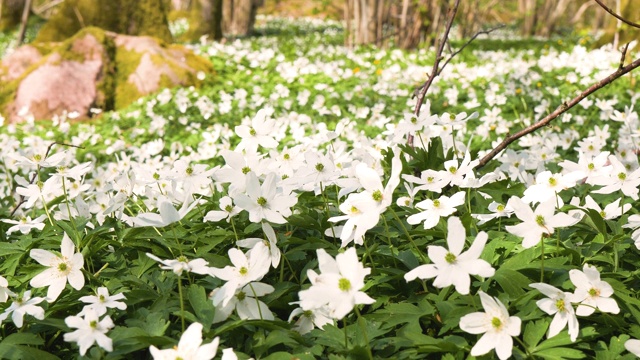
<point x="142" y="17"/>
<point x="126" y="62"/>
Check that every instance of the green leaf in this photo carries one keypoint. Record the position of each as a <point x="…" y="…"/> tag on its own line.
<point x="400" y="313"/>
<point x="286" y="356"/>
<point x="202" y="307"/>
<point x="614" y="350"/>
<point x="534" y="331"/>
<point x="561" y="353"/>
<point x="512" y="282"/>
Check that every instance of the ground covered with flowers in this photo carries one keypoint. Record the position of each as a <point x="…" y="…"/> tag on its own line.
<point x="278" y="212"/>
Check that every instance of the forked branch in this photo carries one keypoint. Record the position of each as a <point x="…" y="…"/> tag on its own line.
<point x="608" y="9"/>
<point x="622" y="70"/>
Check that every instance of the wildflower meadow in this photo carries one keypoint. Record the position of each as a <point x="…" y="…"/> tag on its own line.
<point x="279" y="212"/>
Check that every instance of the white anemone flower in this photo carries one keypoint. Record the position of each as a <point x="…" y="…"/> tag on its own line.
<point x="62" y="268"/>
<point x="189" y="347"/>
<point x="89" y="331"/>
<point x="496" y="326"/>
<point x="591" y="292"/>
<point x="558" y="302"/>
<point x="454" y="267"/>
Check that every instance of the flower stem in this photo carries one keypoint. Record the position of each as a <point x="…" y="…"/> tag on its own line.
<point x="326" y="210"/>
<point x="542" y="260"/>
<point x="386" y="227"/>
<point x="364" y="332"/>
<point x="255" y="296"/>
<point x="233" y="225"/>
<point x="406" y="232"/>
<point x="181" y="301"/>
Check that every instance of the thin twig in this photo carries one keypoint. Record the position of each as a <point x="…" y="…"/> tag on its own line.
<point x="602" y="5"/>
<point x="35" y="174"/>
<point x="436" y="63"/>
<point x="486" y="32"/>
<point x="623" y="55"/>
<point x="419" y="88"/>
<point x="434" y="72"/>
<point x="559" y="111"/>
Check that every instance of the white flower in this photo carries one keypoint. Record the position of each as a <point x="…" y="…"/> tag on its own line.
<point x="260" y="133"/>
<point x="167" y="214"/>
<point x="227" y="211"/>
<point x="62" y="268"/>
<point x="338" y="285"/>
<point x="189" y="348"/>
<point x="21" y="306"/>
<point x="538" y="222"/>
<point x="498" y="210"/>
<point x="496" y="325"/>
<point x="245" y="302"/>
<point x="271" y="244"/>
<point x="452" y="267"/>
<point x="246" y="268"/>
<point x="309" y="319"/>
<point x="4" y="290"/>
<point x="198" y="266"/>
<point x="558" y="303"/>
<point x="25" y="224"/>
<point x="434" y="209"/>
<point x="102" y="301"/>
<point x="265" y="201"/>
<point x="633" y="346"/>
<point x="90" y="331"/>
<point x="591" y="292"/>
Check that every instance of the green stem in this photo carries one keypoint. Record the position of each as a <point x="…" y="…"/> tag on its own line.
<point x="386" y="227"/>
<point x="364" y="332"/>
<point x="542" y="260"/>
<point x="233" y="225"/>
<point x="406" y="232"/>
<point x="326" y="210"/>
<point x="181" y="301"/>
<point x="257" y="301"/>
<point x="526" y="350"/>
<point x="73" y="223"/>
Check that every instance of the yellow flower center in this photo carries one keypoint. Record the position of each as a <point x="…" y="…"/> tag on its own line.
<point x="344" y="284"/>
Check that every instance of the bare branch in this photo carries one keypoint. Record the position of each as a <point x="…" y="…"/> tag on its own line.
<point x="623" y="55"/>
<point x="469" y="42"/>
<point x="559" y="111"/>
<point x="602" y="5"/>
<point x="33" y="177"/>
<point x="418" y="89"/>
<point x="434" y="72"/>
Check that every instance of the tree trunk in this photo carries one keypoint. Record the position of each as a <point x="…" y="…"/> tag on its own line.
<point x="239" y="16"/>
<point x="10" y="13"/>
<point x="23" y="23"/>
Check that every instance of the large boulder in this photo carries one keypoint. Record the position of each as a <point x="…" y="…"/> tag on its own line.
<point x="93" y="69"/>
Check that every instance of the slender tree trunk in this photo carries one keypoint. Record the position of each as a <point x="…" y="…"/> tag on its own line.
<point x="216" y="17"/>
<point x="23" y="23"/>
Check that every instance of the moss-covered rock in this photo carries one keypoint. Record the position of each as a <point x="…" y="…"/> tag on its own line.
<point x="145" y="65"/>
<point x="140" y="17"/>
<point x="94" y="68"/>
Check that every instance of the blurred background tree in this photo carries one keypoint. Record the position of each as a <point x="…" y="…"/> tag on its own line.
<point x="402" y="23"/>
